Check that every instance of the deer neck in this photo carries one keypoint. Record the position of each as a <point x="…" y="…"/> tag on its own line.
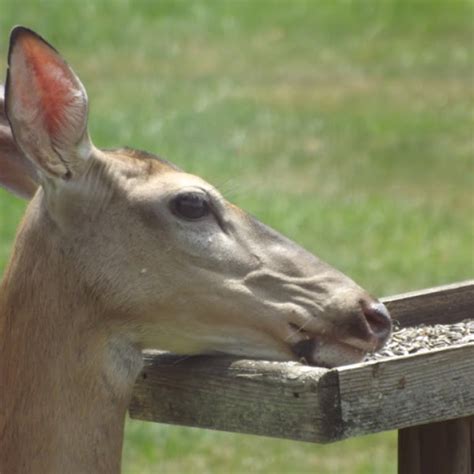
<point x="66" y="382"/>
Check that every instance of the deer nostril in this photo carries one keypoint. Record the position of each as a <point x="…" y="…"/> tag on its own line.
<point x="378" y="319"/>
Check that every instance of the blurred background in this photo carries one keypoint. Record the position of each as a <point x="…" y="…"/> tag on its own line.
<point x="347" y="125"/>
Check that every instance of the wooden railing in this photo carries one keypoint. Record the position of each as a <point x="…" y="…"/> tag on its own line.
<point x="428" y="397"/>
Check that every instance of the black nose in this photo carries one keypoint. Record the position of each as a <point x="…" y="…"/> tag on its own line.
<point x="378" y="320"/>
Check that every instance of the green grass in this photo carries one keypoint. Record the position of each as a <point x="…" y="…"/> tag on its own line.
<point x="347" y="125"/>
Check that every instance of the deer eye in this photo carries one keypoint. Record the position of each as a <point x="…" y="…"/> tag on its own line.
<point x="190" y="205"/>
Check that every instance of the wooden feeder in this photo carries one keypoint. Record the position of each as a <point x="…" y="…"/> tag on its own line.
<point x="428" y="396"/>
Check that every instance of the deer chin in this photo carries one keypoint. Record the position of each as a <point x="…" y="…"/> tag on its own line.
<point x="311" y="349"/>
<point x="325" y="352"/>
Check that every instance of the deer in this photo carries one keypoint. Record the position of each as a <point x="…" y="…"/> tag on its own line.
<point x="119" y="251"/>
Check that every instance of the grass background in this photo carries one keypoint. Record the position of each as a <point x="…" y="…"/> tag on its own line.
<point x="347" y="125"/>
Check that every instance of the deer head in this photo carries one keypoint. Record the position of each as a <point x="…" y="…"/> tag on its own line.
<point x="168" y="260"/>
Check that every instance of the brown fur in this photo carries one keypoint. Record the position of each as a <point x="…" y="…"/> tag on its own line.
<point x="52" y="346"/>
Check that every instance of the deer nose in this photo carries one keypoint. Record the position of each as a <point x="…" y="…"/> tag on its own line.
<point x="378" y="320"/>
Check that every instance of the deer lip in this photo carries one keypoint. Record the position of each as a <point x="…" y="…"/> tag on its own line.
<point x="327" y="352"/>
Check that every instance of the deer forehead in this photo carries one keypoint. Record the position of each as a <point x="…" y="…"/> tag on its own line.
<point x="147" y="177"/>
<point x="167" y="184"/>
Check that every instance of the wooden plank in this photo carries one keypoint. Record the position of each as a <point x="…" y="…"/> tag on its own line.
<point x="284" y="400"/>
<point x="436" y="448"/>
<point x="288" y="400"/>
<point x="409" y="451"/>
<point x="472" y="442"/>
<point x="406" y="391"/>
<point x="440" y="305"/>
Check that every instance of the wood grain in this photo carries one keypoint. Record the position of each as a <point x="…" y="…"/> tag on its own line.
<point x="438" y="448"/>
<point x="284" y="400"/>
<point x="406" y="391"/>
<point x="440" y="305"/>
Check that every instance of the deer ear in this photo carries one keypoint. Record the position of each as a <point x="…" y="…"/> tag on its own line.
<point x="46" y="105"/>
<point x="17" y="173"/>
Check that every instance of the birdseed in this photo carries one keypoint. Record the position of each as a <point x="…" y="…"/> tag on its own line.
<point x="424" y="338"/>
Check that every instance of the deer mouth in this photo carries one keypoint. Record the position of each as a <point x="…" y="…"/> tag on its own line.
<point x="324" y="350"/>
<point x="344" y="342"/>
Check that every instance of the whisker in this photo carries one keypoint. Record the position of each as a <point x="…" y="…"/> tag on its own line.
<point x="182" y="359"/>
<point x="232" y="188"/>
<point x="297" y="330"/>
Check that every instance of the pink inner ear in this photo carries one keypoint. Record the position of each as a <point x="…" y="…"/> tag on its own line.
<point x="51" y="84"/>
